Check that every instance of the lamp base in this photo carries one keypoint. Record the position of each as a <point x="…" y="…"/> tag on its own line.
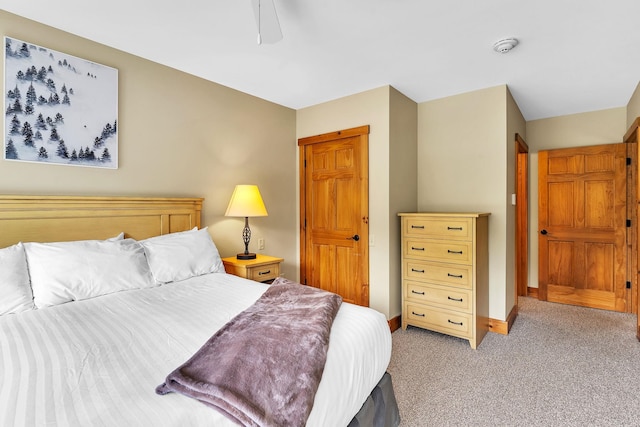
<point x="246" y="256"/>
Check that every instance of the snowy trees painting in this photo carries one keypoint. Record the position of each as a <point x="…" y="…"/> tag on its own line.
<point x="59" y="108"/>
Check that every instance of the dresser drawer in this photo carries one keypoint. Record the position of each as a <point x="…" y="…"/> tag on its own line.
<point x="457" y="252"/>
<point x="441" y="296"/>
<point x="438" y="273"/>
<point x="448" y="322"/>
<point x="439" y="228"/>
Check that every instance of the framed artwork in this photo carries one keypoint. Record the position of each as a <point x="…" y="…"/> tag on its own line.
<point x="59" y="109"/>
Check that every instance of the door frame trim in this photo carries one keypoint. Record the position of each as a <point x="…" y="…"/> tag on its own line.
<point x="632" y="137"/>
<point x="332" y="136"/>
<point x="522" y="217"/>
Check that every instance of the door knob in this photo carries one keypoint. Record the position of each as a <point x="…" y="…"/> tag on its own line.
<point x="354" y="237"/>
<point x="543" y="232"/>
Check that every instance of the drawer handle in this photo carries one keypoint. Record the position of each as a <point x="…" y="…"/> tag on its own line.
<point x="454" y="299"/>
<point x="417" y="271"/>
<point x="417" y="226"/>
<point x="454" y="228"/>
<point x="417" y="314"/>
<point x="416" y="249"/>
<point x="416" y="292"/>
<point x="455" y="323"/>
<point x="457" y="276"/>
<point x="454" y="252"/>
<point x="260" y="273"/>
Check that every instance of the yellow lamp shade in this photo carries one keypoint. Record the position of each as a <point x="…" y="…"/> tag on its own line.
<point x="246" y="201"/>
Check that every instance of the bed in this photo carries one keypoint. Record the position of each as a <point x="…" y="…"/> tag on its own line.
<point x="93" y="351"/>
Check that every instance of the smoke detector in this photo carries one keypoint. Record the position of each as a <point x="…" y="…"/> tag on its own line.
<point x="505" y="45"/>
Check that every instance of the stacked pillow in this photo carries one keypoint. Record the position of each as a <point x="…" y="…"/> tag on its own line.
<point x="179" y="256"/>
<point x="36" y="275"/>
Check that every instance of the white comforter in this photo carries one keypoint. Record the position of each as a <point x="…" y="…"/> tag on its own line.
<point x="97" y="362"/>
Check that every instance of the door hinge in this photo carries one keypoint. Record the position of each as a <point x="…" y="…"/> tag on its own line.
<point x="628" y="161"/>
<point x="628" y="285"/>
<point x="305" y="162"/>
<point x="628" y="223"/>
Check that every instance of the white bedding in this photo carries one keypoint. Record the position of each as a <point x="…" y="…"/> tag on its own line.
<point x="97" y="361"/>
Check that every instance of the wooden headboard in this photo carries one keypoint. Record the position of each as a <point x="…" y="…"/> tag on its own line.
<point x="62" y="218"/>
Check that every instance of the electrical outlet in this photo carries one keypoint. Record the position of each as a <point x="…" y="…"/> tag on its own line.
<point x="261" y="243"/>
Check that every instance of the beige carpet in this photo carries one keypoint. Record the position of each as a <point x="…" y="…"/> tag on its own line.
<point x="559" y="366"/>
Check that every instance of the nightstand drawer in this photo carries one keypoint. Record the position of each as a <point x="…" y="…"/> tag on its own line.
<point x="264" y="272"/>
<point x="263" y="268"/>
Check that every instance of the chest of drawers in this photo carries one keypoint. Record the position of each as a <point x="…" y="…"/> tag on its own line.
<point x="445" y="273"/>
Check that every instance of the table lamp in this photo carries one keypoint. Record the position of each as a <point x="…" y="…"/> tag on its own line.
<point x="245" y="202"/>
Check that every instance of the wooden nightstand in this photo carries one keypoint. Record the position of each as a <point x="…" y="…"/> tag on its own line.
<point x="262" y="269"/>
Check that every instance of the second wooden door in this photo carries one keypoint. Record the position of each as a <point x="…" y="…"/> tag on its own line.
<point x="582" y="226"/>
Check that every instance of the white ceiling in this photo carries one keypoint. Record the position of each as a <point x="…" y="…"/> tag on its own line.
<point x="573" y="56"/>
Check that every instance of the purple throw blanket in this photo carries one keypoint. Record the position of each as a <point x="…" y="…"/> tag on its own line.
<point x="264" y="366"/>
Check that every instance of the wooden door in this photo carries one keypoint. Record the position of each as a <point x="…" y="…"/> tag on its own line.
<point x="582" y="226"/>
<point x="334" y="213"/>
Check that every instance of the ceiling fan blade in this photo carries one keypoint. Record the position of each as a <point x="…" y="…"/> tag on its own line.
<point x="267" y="21"/>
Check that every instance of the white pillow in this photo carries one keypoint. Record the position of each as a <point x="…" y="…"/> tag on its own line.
<point x="69" y="271"/>
<point x="15" y="290"/>
<point x="181" y="255"/>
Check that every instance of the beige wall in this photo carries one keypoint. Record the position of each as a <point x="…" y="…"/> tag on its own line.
<point x="462" y="166"/>
<point x="367" y="108"/>
<point x="576" y="130"/>
<point x="178" y="136"/>
<point x="633" y="107"/>
<point x="403" y="184"/>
